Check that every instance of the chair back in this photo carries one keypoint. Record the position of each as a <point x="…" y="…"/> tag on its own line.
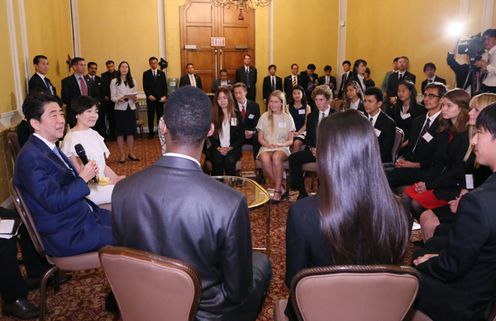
<point x="26" y="218"/>
<point x="149" y="286"/>
<point x="398" y="139"/>
<point x="13" y="142"/>
<point x="354" y="292"/>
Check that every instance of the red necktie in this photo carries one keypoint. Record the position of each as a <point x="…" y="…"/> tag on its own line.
<point x="243" y="111"/>
<point x="84" y="89"/>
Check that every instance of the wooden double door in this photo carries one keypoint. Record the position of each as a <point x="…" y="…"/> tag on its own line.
<point x="200" y="21"/>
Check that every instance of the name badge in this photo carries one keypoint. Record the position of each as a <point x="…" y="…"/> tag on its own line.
<point x="234" y="121"/>
<point x="427" y="137"/>
<point x="377" y="132"/>
<point x="302" y="111"/>
<point x="405" y="116"/>
<point x="251" y="116"/>
<point x="469" y="181"/>
<point x="281" y="125"/>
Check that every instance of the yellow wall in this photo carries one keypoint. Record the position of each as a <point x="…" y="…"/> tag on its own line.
<point x="7" y="89"/>
<point x="127" y="30"/>
<point x="172" y="37"/>
<point x="49" y="33"/>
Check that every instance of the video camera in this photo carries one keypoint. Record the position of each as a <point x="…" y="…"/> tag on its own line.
<point x="473" y="47"/>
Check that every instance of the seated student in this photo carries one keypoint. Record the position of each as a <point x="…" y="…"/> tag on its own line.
<point x="86" y="111"/>
<point x="447" y="170"/>
<point x="354" y="219"/>
<point x="328" y="79"/>
<point x="275" y="135"/>
<point x="225" y="149"/>
<point x="384" y="126"/>
<point x="475" y="175"/>
<point x="406" y="108"/>
<point x="358" y="73"/>
<point x="250" y="113"/>
<point x="299" y="110"/>
<point x="369" y="82"/>
<point x="67" y="222"/>
<point x="322" y="96"/>
<point x="415" y="162"/>
<point x="353" y="96"/>
<point x="458" y="279"/>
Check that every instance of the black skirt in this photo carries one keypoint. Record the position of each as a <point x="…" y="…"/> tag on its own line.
<point x="125" y="122"/>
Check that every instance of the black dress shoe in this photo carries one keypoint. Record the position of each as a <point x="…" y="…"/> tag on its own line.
<point x="21" y="308"/>
<point x="34" y="283"/>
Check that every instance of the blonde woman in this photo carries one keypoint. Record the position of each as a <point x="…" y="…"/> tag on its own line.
<point x="275" y="135"/>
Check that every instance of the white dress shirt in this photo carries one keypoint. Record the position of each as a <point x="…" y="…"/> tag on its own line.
<point x="374" y="118"/>
<point x="491" y="68"/>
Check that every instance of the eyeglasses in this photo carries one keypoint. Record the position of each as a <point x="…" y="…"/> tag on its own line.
<point x="431" y="96"/>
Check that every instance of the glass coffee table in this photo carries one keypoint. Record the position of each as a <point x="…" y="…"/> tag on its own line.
<point x="256" y="196"/>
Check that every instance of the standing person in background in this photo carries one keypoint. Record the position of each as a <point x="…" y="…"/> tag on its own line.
<point x="344" y="78"/>
<point x="328" y="79"/>
<point x="291" y="80"/>
<point x="96" y="82"/>
<point x="358" y="73"/>
<point x="385" y="82"/>
<point x="107" y="103"/>
<point x="308" y="80"/>
<point x="396" y="78"/>
<point x="155" y="87"/>
<point x="488" y="66"/>
<point x="247" y="74"/>
<point x="124" y="94"/>
<point x="39" y="81"/>
<point x="74" y="86"/>
<point x="271" y="83"/>
<point x="367" y="80"/>
<point x="430" y="73"/>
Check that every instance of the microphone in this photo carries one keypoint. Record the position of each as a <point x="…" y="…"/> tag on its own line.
<point x="82" y="155"/>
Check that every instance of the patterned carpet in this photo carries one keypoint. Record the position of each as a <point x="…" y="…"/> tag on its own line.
<point x="82" y="298"/>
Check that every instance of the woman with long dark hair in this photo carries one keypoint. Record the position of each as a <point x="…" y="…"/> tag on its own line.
<point x="358" y="73"/>
<point x="353" y="96"/>
<point x="355" y="218"/>
<point x="299" y="110"/>
<point x="124" y="94"/>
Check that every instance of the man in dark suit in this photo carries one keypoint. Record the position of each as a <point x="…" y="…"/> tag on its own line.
<point x="271" y="83"/>
<point x="459" y="275"/>
<point x="54" y="191"/>
<point x="190" y="78"/>
<point x="328" y="79"/>
<point x="39" y="81"/>
<point x="308" y="80"/>
<point x="422" y="141"/>
<point x="250" y="112"/>
<point x="247" y="74"/>
<point x="95" y="82"/>
<point x="107" y="103"/>
<point x="192" y="217"/>
<point x="430" y="73"/>
<point x="290" y="81"/>
<point x="155" y="87"/>
<point x="74" y="86"/>
<point x="344" y="78"/>
<point x="223" y="80"/>
<point x="395" y="78"/>
<point x="384" y="126"/>
<point x="321" y="95"/>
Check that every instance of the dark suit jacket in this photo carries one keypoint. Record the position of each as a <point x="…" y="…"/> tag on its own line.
<point x="252" y="76"/>
<point x="155" y="86"/>
<point x="267" y="86"/>
<point x="387" y="128"/>
<point x="36" y="84"/>
<point x="332" y="83"/>
<point x="436" y="79"/>
<point x="288" y="86"/>
<point x="198" y="220"/>
<point x="184" y="81"/>
<point x="106" y="79"/>
<point x="236" y="137"/>
<point x="96" y="87"/>
<point x="216" y="84"/>
<point x="344" y="80"/>
<point x="405" y="124"/>
<point x="56" y="199"/>
<point x="460" y="282"/>
<point x="70" y="89"/>
<point x="312" y="124"/>
<point x="306" y="78"/>
<point x="252" y="115"/>
<point x="394" y="81"/>
<point x="461" y="71"/>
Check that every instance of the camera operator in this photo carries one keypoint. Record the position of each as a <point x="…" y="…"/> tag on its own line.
<point x="489" y="65"/>
<point x="461" y="70"/>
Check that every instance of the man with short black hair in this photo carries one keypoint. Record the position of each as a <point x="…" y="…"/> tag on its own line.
<point x="107" y="103"/>
<point x="222" y="81"/>
<point x="155" y="88"/>
<point x="187" y="215"/>
<point x="430" y="73"/>
<point x="344" y="78"/>
<point x="489" y="66"/>
<point x="247" y="74"/>
<point x="96" y="83"/>
<point x="290" y="81"/>
<point x="250" y="113"/>
<point x="328" y="79"/>
<point x="395" y="78"/>
<point x="308" y="80"/>
<point x="39" y="81"/>
<point x="271" y="83"/>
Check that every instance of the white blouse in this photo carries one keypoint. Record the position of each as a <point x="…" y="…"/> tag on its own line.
<point x="119" y="91"/>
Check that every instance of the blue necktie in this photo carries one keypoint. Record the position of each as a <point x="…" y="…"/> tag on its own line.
<point x="59" y="155"/>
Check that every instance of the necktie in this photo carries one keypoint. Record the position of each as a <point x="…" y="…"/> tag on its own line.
<point x="272" y="83"/>
<point x="243" y="111"/>
<point x="401" y="77"/>
<point x="295" y="82"/>
<point x="192" y="80"/>
<point x="247" y="72"/>
<point x="423" y="132"/>
<point x="322" y="115"/>
<point x="84" y="88"/>
<point x="371" y="121"/>
<point x="154" y="73"/>
<point x="59" y="155"/>
<point x="47" y="84"/>
<point x="327" y="80"/>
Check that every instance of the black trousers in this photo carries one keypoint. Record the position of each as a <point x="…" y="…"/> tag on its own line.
<point x="296" y="162"/>
<point x="108" y="106"/>
<point x="223" y="163"/>
<point x="253" y="142"/>
<point x="154" y="108"/>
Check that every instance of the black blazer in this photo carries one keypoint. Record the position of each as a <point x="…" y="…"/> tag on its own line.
<point x="252" y="115"/>
<point x="288" y="85"/>
<point x="70" y="89"/>
<point x="415" y="111"/>
<point x="461" y="71"/>
<point x="393" y="82"/>
<point x="106" y="79"/>
<point x="36" y="84"/>
<point x="306" y="78"/>
<point x="312" y="124"/>
<point x="436" y="79"/>
<point x="252" y="76"/>
<point x="332" y="82"/>
<point x="236" y="136"/>
<point x="387" y="128"/>
<point x="96" y="85"/>
<point x="344" y="79"/>
<point x="425" y="150"/>
<point x="460" y="282"/>
<point x="155" y="86"/>
<point x="184" y="81"/>
<point x="216" y="84"/>
<point x="267" y="86"/>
